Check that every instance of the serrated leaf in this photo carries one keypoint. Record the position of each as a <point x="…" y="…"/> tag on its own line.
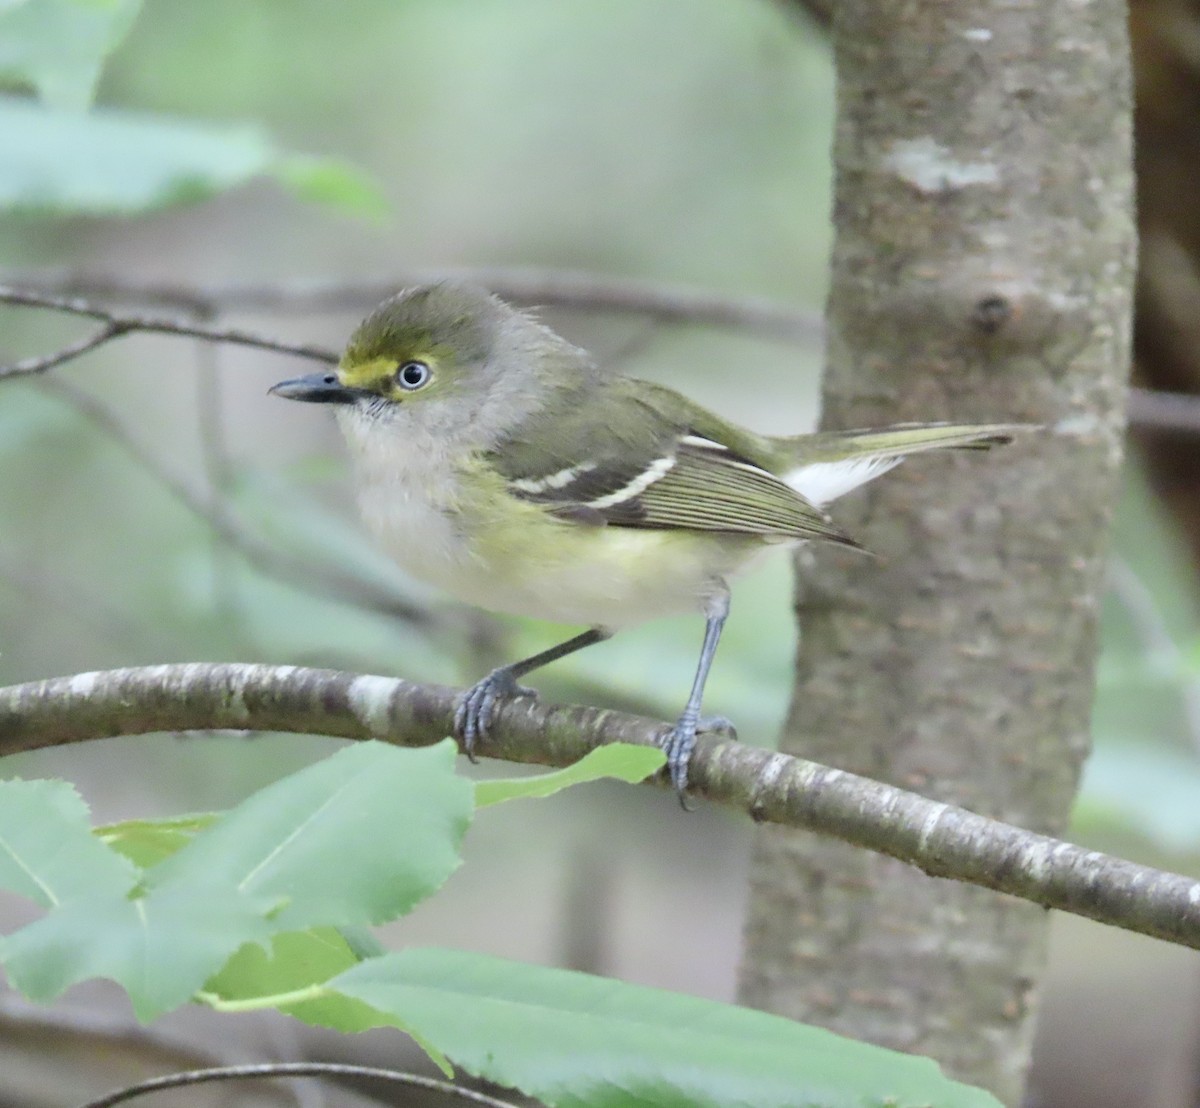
<point x="146" y="842"/>
<point x="573" y="1039"/>
<point x="161" y="947"/>
<point x="295" y="960"/>
<point x="362" y="942"/>
<point x="360" y="837"/>
<point x="47" y="850"/>
<point x="59" y="46"/>
<point x="109" y="162"/>
<point x="624" y="761"/>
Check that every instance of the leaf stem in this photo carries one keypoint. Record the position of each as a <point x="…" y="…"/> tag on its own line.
<point x="259" y="1003"/>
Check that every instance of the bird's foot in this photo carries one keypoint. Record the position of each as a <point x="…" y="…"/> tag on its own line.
<point x="473" y="716"/>
<point x="680" y="742"/>
<point x="716" y="725"/>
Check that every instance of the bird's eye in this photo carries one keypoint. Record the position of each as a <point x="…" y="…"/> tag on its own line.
<point x="413" y="375"/>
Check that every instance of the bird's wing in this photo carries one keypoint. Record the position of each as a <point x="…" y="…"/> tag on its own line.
<point x="641" y="467"/>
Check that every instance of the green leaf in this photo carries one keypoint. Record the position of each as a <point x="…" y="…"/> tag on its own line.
<point x="624" y="761"/>
<point x="295" y="960"/>
<point x="59" y="46"/>
<point x="47" y="850"/>
<point x="161" y="947"/>
<point x="332" y="182"/>
<point x="146" y="842"/>
<point x="109" y="162"/>
<point x="362" y="942"/>
<point x="572" y="1039"/>
<point x="360" y="837"/>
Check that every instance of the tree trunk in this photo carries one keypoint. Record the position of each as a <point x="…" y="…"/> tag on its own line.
<point x="982" y="270"/>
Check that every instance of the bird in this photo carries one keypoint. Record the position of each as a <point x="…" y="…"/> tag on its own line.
<point x="496" y="460"/>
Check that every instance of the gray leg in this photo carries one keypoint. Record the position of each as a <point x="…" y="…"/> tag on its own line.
<point x="679" y="743"/>
<point x="473" y="717"/>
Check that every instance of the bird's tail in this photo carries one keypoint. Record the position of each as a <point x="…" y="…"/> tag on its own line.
<point x="829" y="464"/>
<point x="903" y="439"/>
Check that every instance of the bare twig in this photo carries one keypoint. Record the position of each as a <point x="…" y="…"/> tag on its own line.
<point x="564" y="288"/>
<point x="114" y="326"/>
<point x="294" y="1069"/>
<point x="1164" y="411"/>
<point x="43" y="362"/>
<point x="942" y="840"/>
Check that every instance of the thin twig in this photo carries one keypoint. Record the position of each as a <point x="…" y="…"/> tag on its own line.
<point x="117" y="325"/>
<point x="941" y="839"/>
<point x="564" y="288"/>
<point x="44" y="362"/>
<point x="1165" y="411"/>
<point x="294" y="1069"/>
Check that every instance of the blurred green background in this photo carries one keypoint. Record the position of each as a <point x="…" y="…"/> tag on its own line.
<point x="683" y="141"/>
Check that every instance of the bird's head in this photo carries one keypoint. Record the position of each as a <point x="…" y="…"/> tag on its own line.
<point x="447" y="357"/>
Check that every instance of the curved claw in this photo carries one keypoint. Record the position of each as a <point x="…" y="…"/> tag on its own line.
<point x="678" y="746"/>
<point x="716" y="725"/>
<point x="473" y="716"/>
<point x="680" y="742"/>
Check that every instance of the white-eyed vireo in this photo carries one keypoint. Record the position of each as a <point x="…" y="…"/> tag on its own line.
<point x="497" y="461"/>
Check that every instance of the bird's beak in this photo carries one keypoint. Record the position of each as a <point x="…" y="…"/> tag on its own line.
<point x="316" y="388"/>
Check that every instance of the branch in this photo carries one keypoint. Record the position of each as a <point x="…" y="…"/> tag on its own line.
<point x="763" y="318"/>
<point x="326" y="1070"/>
<point x="1164" y="411"/>
<point x="115" y="325"/>
<point x="942" y="840"/>
<point x="562" y="288"/>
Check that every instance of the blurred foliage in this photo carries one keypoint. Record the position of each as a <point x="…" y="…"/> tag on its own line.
<point x="685" y="142"/>
<point x="1141" y="783"/>
<point x="58" y="47"/>
<point x="246" y="912"/>
<point x="59" y="159"/>
<point x="67" y="163"/>
<point x="463" y="110"/>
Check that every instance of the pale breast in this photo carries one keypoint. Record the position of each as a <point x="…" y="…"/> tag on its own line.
<point x="506" y="555"/>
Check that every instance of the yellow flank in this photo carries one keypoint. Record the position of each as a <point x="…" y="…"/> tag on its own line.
<point x="523" y="560"/>
<point x="454" y="524"/>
